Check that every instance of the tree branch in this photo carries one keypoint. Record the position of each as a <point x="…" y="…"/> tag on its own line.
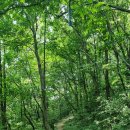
<point x="112" y="6"/>
<point x="14" y="6"/>
<point x="119" y="8"/>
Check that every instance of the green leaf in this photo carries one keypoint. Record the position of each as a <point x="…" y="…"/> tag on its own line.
<point x="22" y="1"/>
<point x="114" y="81"/>
<point x="105" y="66"/>
<point x="99" y="4"/>
<point x="90" y="1"/>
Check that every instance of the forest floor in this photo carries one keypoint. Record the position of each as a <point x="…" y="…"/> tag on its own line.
<point x="61" y="123"/>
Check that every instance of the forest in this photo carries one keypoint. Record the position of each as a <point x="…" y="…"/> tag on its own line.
<point x="64" y="64"/>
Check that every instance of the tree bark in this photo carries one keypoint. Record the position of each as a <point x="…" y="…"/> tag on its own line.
<point x="3" y="91"/>
<point x="42" y="82"/>
<point x="107" y="83"/>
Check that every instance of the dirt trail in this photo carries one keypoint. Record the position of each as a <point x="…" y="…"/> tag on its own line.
<point x="61" y="123"/>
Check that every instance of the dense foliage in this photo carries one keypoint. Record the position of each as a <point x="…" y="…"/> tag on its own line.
<point x="61" y="57"/>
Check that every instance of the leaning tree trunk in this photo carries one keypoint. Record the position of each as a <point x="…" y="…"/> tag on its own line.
<point x="42" y="82"/>
<point x="2" y="92"/>
<point x="107" y="83"/>
<point x="0" y="87"/>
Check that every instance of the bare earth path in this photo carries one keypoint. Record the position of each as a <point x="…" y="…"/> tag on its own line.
<point x="60" y="124"/>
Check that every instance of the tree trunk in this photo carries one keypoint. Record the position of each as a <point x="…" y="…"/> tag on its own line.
<point x="118" y="71"/>
<point x="42" y="82"/>
<point x="3" y="92"/>
<point x="0" y="87"/>
<point x="107" y="83"/>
